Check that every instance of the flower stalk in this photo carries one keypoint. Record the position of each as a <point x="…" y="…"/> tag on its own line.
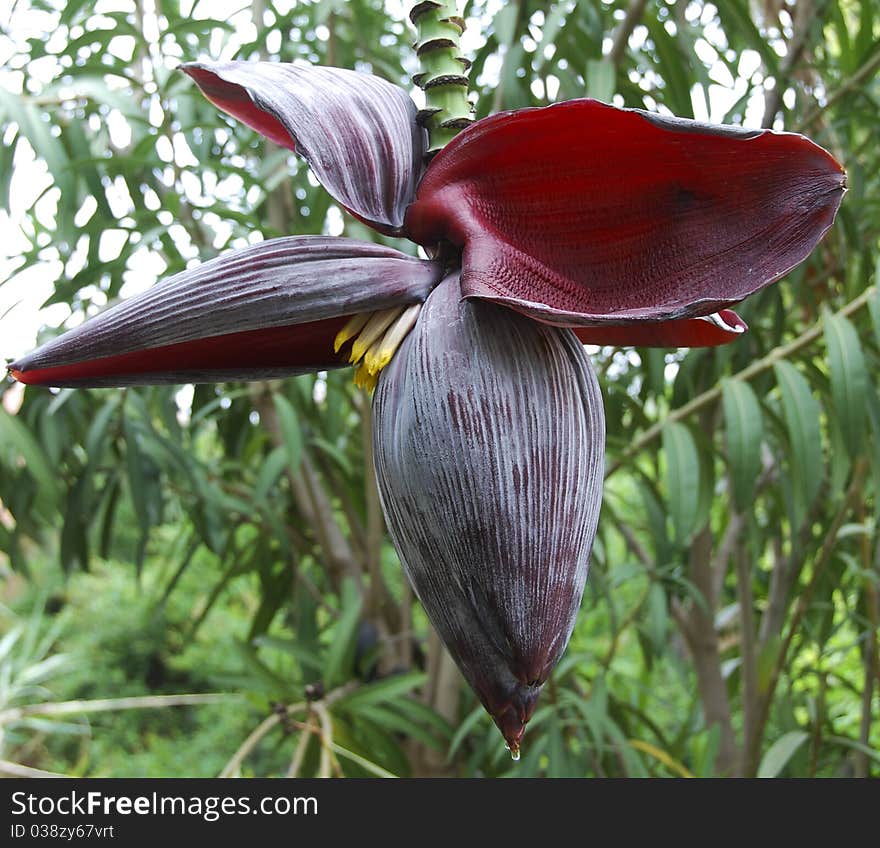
<point x="443" y="72"/>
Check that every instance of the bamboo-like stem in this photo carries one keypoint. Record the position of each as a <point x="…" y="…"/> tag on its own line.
<point x="757" y="367"/>
<point x="147" y="702"/>
<point x="443" y="71"/>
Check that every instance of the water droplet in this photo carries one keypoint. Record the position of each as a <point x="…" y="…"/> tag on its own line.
<point x="514" y="755"/>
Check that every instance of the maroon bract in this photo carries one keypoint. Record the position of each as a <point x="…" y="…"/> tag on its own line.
<point x="581" y="213"/>
<point x="629" y="227"/>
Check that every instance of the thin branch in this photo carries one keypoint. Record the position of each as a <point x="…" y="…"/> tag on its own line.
<point x="267" y="724"/>
<point x="702" y="640"/>
<point x="636" y="547"/>
<point x="18" y="770"/>
<point x="748" y="644"/>
<point x="622" y="34"/>
<point x="804" y="13"/>
<point x="822" y="559"/>
<point x="757" y="367"/>
<point x="301" y="748"/>
<point x="147" y="702"/>
<point x="254" y="737"/>
<point x="333" y="541"/>
<point x="787" y="570"/>
<point x="864" y="73"/>
<point x="339" y="488"/>
<point x="730" y="542"/>
<point x="329" y="764"/>
<point x="630" y="618"/>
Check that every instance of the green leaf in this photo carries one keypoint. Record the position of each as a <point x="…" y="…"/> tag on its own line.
<point x="874" y="303"/>
<point x="657" y="617"/>
<point x="849" y="378"/>
<point x="504" y="23"/>
<point x="270" y="472"/>
<point x="50" y="149"/>
<point x="74" y="547"/>
<point x="136" y="482"/>
<point x="867" y="750"/>
<point x="290" y="431"/>
<point x="656" y="518"/>
<point x="767" y="659"/>
<point x="682" y="479"/>
<point x="674" y="67"/>
<point x="744" y="429"/>
<point x="839" y="462"/>
<point x="86" y="165"/>
<point x="474" y="719"/>
<point x="383" y="691"/>
<point x="780" y="752"/>
<point x="736" y="17"/>
<point x="601" y="79"/>
<point x="97" y="435"/>
<point x="70" y="9"/>
<point x="301" y="653"/>
<point x="394" y="720"/>
<point x="341" y="651"/>
<point x="7" y="156"/>
<point x="361" y="761"/>
<point x="552" y="24"/>
<point x="14" y="434"/>
<point x="802" y="414"/>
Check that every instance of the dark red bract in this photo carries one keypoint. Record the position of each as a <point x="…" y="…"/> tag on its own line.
<point x="581" y="212"/>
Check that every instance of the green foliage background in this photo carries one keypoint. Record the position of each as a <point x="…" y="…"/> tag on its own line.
<point x="157" y="545"/>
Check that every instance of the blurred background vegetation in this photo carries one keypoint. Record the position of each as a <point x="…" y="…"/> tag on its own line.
<point x="197" y="582"/>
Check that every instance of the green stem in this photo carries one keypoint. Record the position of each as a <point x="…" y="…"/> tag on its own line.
<point x="757" y="367"/>
<point x="443" y="71"/>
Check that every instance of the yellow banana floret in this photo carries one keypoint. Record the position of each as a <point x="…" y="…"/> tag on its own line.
<point x="380" y="353"/>
<point x="352" y="327"/>
<point x="377" y="335"/>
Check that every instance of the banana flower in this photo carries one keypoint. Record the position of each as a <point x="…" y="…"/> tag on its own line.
<point x="546" y="228"/>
